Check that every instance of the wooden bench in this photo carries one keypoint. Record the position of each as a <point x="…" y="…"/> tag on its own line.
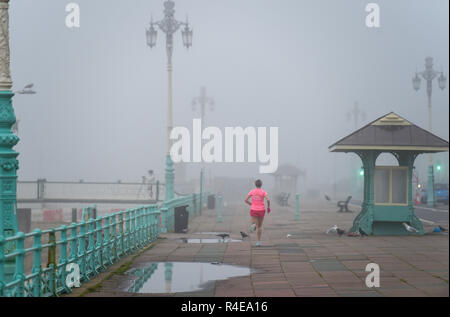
<point x="343" y="204"/>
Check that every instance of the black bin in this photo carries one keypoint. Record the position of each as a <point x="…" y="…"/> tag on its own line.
<point x="181" y="219"/>
<point x="211" y="201"/>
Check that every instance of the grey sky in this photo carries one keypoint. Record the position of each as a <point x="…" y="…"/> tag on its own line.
<point x="100" y="111"/>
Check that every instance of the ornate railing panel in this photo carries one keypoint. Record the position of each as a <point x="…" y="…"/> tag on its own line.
<point x="93" y="245"/>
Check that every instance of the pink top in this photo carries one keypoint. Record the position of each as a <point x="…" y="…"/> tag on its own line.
<point x="257" y="196"/>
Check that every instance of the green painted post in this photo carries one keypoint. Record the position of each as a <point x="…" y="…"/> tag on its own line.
<point x="127" y="232"/>
<point x="145" y="232"/>
<point x="219" y="208"/>
<point x="63" y="257"/>
<point x="37" y="268"/>
<point x="99" y="243"/>
<point x="430" y="189"/>
<point x="138" y="227"/>
<point x="297" y="206"/>
<point x="74" y="243"/>
<point x="121" y="233"/>
<point x="164" y="219"/>
<point x="8" y="162"/>
<point x="152" y="224"/>
<point x="107" y="242"/>
<point x="170" y="178"/>
<point x="156" y="217"/>
<point x="20" y="265"/>
<point x="91" y="246"/>
<point x="8" y="177"/>
<point x="82" y="251"/>
<point x="132" y="229"/>
<point x="2" y="265"/>
<point x="113" y="234"/>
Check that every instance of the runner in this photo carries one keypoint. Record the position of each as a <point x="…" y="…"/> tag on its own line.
<point x="257" y="208"/>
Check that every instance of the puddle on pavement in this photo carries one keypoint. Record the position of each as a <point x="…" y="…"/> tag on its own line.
<point x="175" y="277"/>
<point x="208" y="240"/>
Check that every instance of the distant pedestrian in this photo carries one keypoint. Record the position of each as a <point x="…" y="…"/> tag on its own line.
<point x="257" y="208"/>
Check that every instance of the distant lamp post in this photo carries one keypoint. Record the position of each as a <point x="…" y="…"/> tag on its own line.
<point x="203" y="101"/>
<point x="169" y="25"/>
<point x="357" y="114"/>
<point x="429" y="74"/>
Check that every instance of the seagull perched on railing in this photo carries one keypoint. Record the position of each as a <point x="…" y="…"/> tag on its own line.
<point x="409" y="228"/>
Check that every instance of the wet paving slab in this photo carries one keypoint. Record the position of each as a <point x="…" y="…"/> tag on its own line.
<point x="179" y="277"/>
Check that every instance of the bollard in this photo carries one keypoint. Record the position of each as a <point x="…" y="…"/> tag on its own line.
<point x="74" y="214"/>
<point x="219" y="208"/>
<point x="297" y="206"/>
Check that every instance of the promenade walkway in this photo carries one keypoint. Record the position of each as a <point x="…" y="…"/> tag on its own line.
<point x="308" y="262"/>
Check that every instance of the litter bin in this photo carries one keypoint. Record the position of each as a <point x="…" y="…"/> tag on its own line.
<point x="181" y="219"/>
<point x="211" y="201"/>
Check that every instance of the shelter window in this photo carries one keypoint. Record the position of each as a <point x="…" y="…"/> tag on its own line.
<point x="391" y="185"/>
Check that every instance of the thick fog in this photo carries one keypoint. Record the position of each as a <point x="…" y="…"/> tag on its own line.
<point x="100" y="111"/>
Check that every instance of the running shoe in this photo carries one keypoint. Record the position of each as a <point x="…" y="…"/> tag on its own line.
<point x="252" y="227"/>
<point x="258" y="243"/>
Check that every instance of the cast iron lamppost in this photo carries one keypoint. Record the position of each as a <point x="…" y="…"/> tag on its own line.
<point x="429" y="74"/>
<point x="202" y="100"/>
<point x="8" y="157"/>
<point x="169" y="25"/>
<point x="357" y="114"/>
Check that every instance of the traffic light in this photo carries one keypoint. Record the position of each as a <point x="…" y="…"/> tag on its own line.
<point x="438" y="167"/>
<point x="361" y="172"/>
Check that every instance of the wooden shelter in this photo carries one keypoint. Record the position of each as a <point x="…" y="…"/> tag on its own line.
<point x="388" y="199"/>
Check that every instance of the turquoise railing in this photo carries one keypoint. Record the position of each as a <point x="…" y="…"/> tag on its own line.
<point x="92" y="244"/>
<point x="41" y="257"/>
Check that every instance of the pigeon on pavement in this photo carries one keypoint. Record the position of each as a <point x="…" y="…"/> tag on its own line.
<point x="362" y="233"/>
<point x="244" y="235"/>
<point x="340" y="232"/>
<point x="223" y="235"/>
